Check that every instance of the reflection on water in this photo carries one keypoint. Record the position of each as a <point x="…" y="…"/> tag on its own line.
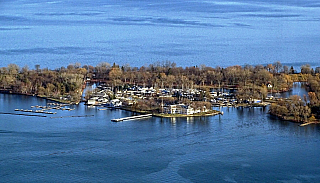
<point x="299" y="88"/>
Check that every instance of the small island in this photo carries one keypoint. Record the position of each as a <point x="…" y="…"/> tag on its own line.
<point x="166" y="90"/>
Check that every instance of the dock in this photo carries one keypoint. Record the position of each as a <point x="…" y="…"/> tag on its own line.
<point x="132" y="118"/>
<point x="72" y="116"/>
<point x="309" y="123"/>
<point x="20" y="114"/>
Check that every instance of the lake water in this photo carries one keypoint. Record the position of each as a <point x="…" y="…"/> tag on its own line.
<point x="240" y="146"/>
<point x="243" y="145"/>
<point x="57" y="33"/>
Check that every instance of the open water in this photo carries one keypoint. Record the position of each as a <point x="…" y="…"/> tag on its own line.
<point x="55" y="33"/>
<point x="243" y="145"/>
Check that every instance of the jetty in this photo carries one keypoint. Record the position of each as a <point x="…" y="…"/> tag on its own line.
<point x="132" y="118"/>
<point x="308" y="123"/>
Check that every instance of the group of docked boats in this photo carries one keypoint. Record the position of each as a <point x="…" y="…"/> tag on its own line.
<point x="44" y="109"/>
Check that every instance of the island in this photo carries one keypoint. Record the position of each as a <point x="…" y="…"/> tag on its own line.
<point x="166" y="90"/>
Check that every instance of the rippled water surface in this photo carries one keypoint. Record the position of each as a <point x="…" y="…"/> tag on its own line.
<point x="243" y="145"/>
<point x="57" y="33"/>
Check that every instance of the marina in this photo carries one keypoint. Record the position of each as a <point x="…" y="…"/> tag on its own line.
<point x="45" y="108"/>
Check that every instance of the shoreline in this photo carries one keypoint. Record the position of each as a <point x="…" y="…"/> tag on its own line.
<point x="202" y="114"/>
<point x="302" y="123"/>
<point x="211" y="113"/>
<point x="43" y="97"/>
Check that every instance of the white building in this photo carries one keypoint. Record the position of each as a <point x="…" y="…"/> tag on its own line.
<point x="115" y="103"/>
<point x="187" y="110"/>
<point x="91" y="102"/>
<point x="180" y="109"/>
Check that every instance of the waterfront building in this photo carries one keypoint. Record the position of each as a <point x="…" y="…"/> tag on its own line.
<point x="182" y="109"/>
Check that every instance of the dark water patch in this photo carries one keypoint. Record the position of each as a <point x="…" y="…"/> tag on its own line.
<point x="9" y="29"/>
<point x="272" y="15"/>
<point x="9" y="18"/>
<point x="313" y="5"/>
<point x="241" y="25"/>
<point x="173" y="53"/>
<point x="5" y="132"/>
<point x="306" y="3"/>
<point x="220" y="171"/>
<point x="70" y="14"/>
<point x="204" y="6"/>
<point x="163" y="21"/>
<point x="54" y="50"/>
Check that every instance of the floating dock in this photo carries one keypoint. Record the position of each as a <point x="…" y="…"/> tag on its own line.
<point x="132" y="118"/>
<point x="72" y="116"/>
<point x="20" y="114"/>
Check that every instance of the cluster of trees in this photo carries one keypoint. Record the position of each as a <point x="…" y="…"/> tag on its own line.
<point x="314" y="95"/>
<point x="252" y="79"/>
<point x="57" y="84"/>
<point x="294" y="109"/>
<point x="298" y="109"/>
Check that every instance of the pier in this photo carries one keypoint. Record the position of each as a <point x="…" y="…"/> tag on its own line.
<point x="308" y="123"/>
<point x="132" y="118"/>
<point x="19" y="114"/>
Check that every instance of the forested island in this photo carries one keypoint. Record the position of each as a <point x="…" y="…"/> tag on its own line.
<point x="248" y="83"/>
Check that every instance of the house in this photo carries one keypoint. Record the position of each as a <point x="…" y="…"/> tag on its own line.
<point x="172" y="109"/>
<point x="187" y="110"/>
<point x="115" y="103"/>
<point x="180" y="109"/>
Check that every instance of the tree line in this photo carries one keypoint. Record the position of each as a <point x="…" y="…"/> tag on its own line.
<point x="61" y="84"/>
<point x="301" y="109"/>
<point x="250" y="81"/>
<point x="168" y="75"/>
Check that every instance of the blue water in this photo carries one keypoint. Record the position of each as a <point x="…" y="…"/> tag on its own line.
<point x="240" y="146"/>
<point x="243" y="145"/>
<point x="57" y="33"/>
